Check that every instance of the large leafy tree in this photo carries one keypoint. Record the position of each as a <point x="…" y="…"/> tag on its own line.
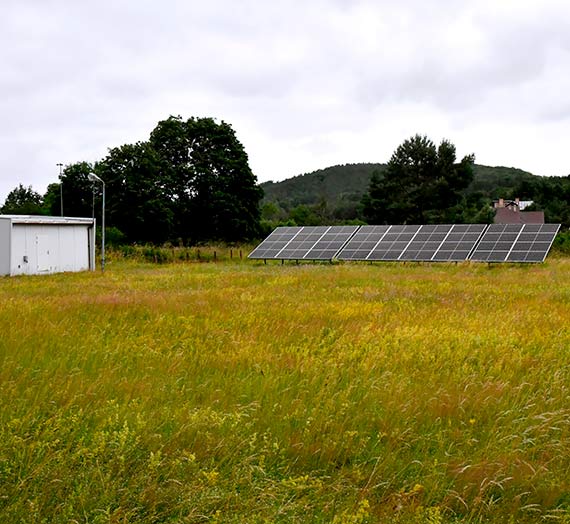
<point x="52" y="199"/>
<point x="421" y="184"/>
<point x="76" y="189"/>
<point x="137" y="201"/>
<point x="206" y="176"/>
<point x="190" y="181"/>
<point x="23" y="201"/>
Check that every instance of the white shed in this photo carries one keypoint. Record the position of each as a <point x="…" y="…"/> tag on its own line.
<point x="31" y="245"/>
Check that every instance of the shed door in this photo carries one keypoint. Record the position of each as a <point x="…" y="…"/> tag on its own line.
<point x="42" y="252"/>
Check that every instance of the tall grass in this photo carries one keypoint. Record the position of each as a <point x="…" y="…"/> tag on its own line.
<point x="168" y="254"/>
<point x="262" y="393"/>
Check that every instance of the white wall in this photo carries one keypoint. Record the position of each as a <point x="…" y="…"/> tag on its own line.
<point x="5" y="226"/>
<point x="49" y="248"/>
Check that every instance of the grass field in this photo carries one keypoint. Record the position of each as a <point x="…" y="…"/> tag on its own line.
<point x="239" y="392"/>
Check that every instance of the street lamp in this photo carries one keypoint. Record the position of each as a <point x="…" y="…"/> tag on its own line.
<point x="94" y="178"/>
<point x="60" y="165"/>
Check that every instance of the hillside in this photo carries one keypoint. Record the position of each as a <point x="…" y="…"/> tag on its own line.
<point x="333" y="195"/>
<point x="347" y="183"/>
<point x="495" y="182"/>
<point x="336" y="183"/>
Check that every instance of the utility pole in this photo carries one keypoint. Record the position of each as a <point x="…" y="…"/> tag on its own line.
<point x="60" y="187"/>
<point x="94" y="178"/>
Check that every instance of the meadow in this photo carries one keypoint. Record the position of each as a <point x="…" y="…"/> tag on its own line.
<point x="238" y="392"/>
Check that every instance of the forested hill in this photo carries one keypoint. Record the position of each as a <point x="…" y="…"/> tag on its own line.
<point x="333" y="184"/>
<point x="334" y="195"/>
<point x="340" y="185"/>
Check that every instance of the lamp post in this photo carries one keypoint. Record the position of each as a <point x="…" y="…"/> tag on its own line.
<point x="94" y="178"/>
<point x="60" y="165"/>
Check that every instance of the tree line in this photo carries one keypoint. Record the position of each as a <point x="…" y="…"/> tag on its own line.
<point x="190" y="182"/>
<point x="422" y="182"/>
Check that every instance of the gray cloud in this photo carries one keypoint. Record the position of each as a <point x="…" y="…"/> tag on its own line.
<point x="305" y="84"/>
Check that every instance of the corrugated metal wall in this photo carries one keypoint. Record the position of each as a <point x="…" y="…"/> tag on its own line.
<point x="50" y="248"/>
<point x="5" y="226"/>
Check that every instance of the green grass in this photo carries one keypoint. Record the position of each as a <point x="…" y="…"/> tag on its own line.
<point x="243" y="392"/>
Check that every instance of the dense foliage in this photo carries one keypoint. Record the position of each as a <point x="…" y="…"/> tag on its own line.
<point x="422" y="184"/>
<point x="190" y="182"/>
<point x="22" y="201"/>
<point x="334" y="195"/>
<point x="210" y="188"/>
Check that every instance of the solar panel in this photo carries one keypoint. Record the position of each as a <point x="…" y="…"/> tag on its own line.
<point x="318" y="243"/>
<point x="331" y="243"/>
<point x="363" y="242"/>
<point x="426" y="242"/>
<point x="459" y="242"/>
<point x="515" y="243"/>
<point x="496" y="242"/>
<point x="379" y="243"/>
<point x="275" y="242"/>
<point x="308" y="242"/>
<point x="393" y="243"/>
<point x="298" y="246"/>
<point x="533" y="243"/>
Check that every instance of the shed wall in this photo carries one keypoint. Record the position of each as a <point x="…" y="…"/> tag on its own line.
<point x="5" y="228"/>
<point x="50" y="248"/>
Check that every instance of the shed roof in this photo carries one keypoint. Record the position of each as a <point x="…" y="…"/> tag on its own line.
<point x="40" y="219"/>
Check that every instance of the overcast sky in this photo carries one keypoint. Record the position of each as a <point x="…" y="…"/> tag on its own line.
<point x="305" y="84"/>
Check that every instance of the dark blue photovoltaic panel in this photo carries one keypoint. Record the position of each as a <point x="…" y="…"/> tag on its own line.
<point x="318" y="243"/>
<point x="496" y="242"/>
<point x="393" y="243"/>
<point x="426" y="242"/>
<point x="363" y="242"/>
<point x="459" y="243"/>
<point x="533" y="243"/>
<point x="515" y="243"/>
<point x="299" y="246"/>
<point x="275" y="242"/>
<point x="331" y="242"/>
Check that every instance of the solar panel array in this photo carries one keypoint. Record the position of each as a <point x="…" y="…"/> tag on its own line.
<point x="441" y="242"/>
<point x="427" y="243"/>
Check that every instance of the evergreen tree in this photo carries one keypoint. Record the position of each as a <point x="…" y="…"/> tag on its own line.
<point x="422" y="184"/>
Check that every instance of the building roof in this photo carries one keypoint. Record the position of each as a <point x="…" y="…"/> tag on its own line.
<point x="41" y="219"/>
<point x="504" y="215"/>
